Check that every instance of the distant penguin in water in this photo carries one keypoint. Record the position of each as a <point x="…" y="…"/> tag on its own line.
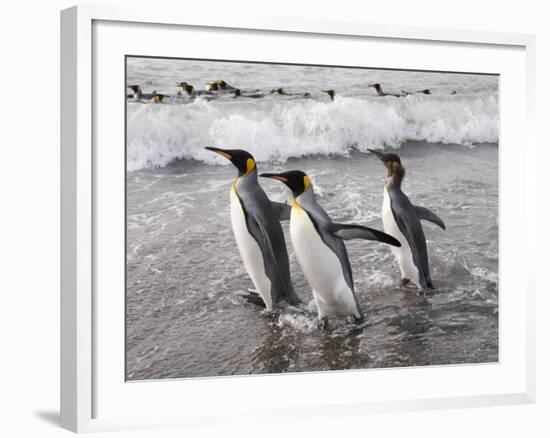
<point x="189" y="90"/>
<point x="259" y="235"/>
<point x="192" y="93"/>
<point x="320" y="249"/>
<point x="381" y="92"/>
<point x="139" y="95"/>
<point x="283" y="92"/>
<point x="402" y="219"/>
<point x="331" y="93"/>
<point x="222" y="85"/>
<point x="408" y="93"/>
<point x="239" y="93"/>
<point x="159" y="97"/>
<point x="219" y="85"/>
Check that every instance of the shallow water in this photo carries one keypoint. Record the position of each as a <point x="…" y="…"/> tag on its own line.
<point x="186" y="316"/>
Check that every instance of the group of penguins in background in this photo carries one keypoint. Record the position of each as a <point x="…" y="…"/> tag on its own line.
<point x="220" y="88"/>
<point x="317" y="240"/>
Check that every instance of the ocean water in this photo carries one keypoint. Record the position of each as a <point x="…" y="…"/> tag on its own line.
<point x="186" y="316"/>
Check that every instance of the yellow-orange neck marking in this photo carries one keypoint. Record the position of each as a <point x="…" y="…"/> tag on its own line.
<point x="307" y="182"/>
<point x="250" y="166"/>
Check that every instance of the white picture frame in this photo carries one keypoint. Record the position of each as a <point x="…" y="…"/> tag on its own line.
<point x="86" y="376"/>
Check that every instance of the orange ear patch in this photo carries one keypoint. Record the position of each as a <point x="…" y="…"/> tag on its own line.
<point x="250" y="165"/>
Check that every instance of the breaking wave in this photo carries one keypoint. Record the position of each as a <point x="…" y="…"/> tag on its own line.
<point x="278" y="130"/>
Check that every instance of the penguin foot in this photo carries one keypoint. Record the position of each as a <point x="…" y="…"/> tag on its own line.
<point x="322" y="323"/>
<point x="405" y="282"/>
<point x="427" y="292"/>
<point x="359" y="320"/>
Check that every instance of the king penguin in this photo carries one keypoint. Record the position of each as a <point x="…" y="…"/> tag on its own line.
<point x="140" y="95"/>
<point x="331" y="93"/>
<point x="259" y="235"/>
<point x="402" y="219"/>
<point x="426" y="91"/>
<point x="320" y="249"/>
<point x="381" y="92"/>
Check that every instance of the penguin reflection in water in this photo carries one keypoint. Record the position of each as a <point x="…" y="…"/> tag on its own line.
<point x="320" y="249"/>
<point x="402" y="219"/>
<point x="258" y="232"/>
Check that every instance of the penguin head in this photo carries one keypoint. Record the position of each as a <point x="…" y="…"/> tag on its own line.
<point x="135" y="88"/>
<point x="221" y="84"/>
<point x="392" y="163"/>
<point x="158" y="98"/>
<point x="278" y="91"/>
<point x="295" y="180"/>
<point x="242" y="160"/>
<point x="377" y="87"/>
<point x="182" y="85"/>
<point x="331" y="93"/>
<point x="238" y="92"/>
<point x="426" y="91"/>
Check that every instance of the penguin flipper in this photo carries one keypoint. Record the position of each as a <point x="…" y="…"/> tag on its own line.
<point x="282" y="210"/>
<point x="267" y="246"/>
<point x="409" y="224"/>
<point x="351" y="231"/>
<point x="428" y="215"/>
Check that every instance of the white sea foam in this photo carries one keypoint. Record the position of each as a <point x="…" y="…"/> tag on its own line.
<point x="278" y="130"/>
<point x="298" y="321"/>
<point x="484" y="274"/>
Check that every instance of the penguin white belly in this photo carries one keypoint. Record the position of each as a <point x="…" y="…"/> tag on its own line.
<point x="402" y="254"/>
<point x="321" y="267"/>
<point x="250" y="251"/>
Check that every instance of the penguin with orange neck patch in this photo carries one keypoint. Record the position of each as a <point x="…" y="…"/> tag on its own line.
<point x="258" y="232"/>
<point x="402" y="219"/>
<point x="320" y="249"/>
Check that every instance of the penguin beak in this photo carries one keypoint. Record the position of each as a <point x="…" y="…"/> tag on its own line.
<point x="220" y="151"/>
<point x="380" y="155"/>
<point x="274" y="176"/>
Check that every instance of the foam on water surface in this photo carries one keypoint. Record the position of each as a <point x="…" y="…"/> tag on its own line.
<point x="276" y="128"/>
<point x="276" y="131"/>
